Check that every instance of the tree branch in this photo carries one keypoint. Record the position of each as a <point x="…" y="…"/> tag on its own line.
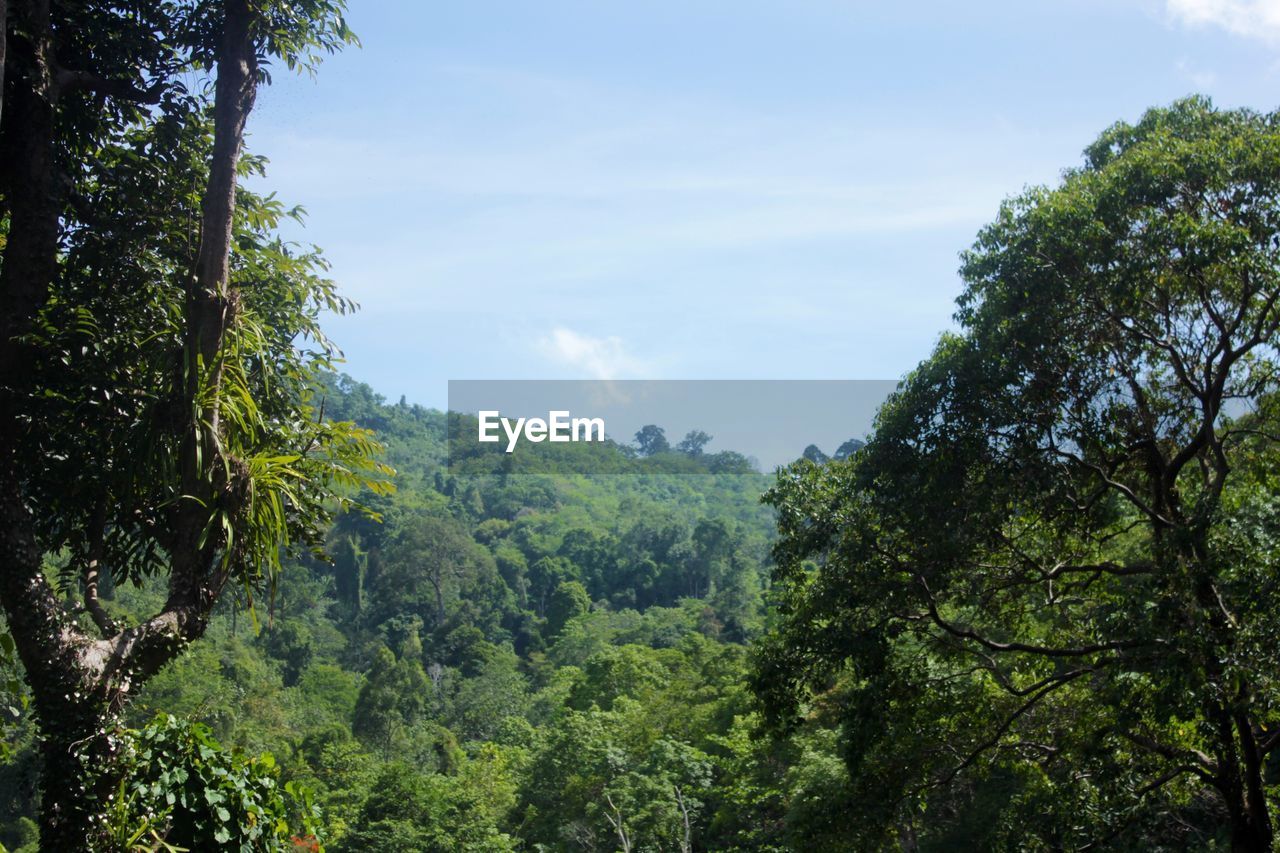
<point x="66" y="81"/>
<point x="91" y="567"/>
<point x="1202" y="765"/>
<point x="1003" y="728"/>
<point x="966" y="633"/>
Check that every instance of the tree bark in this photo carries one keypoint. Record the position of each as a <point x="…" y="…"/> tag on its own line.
<point x="70" y="708"/>
<point x="1251" y="828"/>
<point x="4" y="41"/>
<point x="30" y="256"/>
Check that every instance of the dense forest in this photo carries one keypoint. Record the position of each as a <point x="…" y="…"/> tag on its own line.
<point x="492" y="663"/>
<point x="248" y="604"/>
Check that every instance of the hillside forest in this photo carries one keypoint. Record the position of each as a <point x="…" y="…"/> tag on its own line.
<point x="249" y="604"/>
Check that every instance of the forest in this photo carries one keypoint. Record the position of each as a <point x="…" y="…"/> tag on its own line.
<point x="487" y="664"/>
<point x="250" y="604"/>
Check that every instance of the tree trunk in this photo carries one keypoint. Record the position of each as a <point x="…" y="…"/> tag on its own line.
<point x="4" y="41"/>
<point x="1250" y="835"/>
<point x="31" y="253"/>
<point x="71" y="713"/>
<point x="1257" y="832"/>
<point x="1250" y="825"/>
<point x="1251" y="830"/>
<point x="77" y="775"/>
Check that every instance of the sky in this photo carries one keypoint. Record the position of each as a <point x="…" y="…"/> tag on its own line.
<point x="698" y="189"/>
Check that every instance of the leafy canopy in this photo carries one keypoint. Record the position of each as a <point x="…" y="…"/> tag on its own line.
<point x="1054" y="561"/>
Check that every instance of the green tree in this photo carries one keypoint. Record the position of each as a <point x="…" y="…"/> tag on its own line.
<point x="290" y="643"/>
<point x="428" y="566"/>
<point x="418" y="812"/>
<point x="156" y="413"/>
<point x="693" y="442"/>
<point x="391" y="701"/>
<point x="570" y="599"/>
<point x="713" y="542"/>
<point x="595" y="553"/>
<point x="607" y="780"/>
<point x="849" y="448"/>
<point x="1054" y="561"/>
<point x="545" y="577"/>
<point x="652" y="439"/>
<point x="495" y="693"/>
<point x="616" y="672"/>
<point x="815" y="455"/>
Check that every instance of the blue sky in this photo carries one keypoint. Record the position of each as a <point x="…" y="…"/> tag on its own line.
<point x="698" y="189"/>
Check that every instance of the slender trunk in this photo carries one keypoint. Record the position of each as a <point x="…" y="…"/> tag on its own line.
<point x="4" y="40"/>
<point x="438" y="585"/>
<point x="1253" y="830"/>
<point x="210" y="301"/>
<point x="31" y="251"/>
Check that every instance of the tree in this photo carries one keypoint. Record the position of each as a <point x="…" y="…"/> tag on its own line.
<point x="730" y="462"/>
<point x="156" y="414"/>
<point x="652" y="439"/>
<point x="713" y="543"/>
<point x="849" y="448"/>
<point x="815" y="455"/>
<point x="570" y="599"/>
<point x="693" y="442"/>
<point x="428" y="566"/>
<point x="1054" y="561"/>
<point x="424" y="813"/>
<point x="545" y="577"/>
<point x="608" y="780"/>
<point x="290" y="643"/>
<point x="393" y="698"/>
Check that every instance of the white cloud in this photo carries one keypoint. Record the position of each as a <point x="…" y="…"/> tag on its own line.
<point x="1250" y="18"/>
<point x="597" y="358"/>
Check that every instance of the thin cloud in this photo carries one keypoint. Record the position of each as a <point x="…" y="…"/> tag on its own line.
<point x="1259" y="19"/>
<point x="597" y="358"/>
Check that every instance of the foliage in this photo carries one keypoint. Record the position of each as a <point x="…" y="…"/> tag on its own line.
<point x="183" y="789"/>
<point x="1045" y="589"/>
<point x="1036" y="610"/>
<point x="651" y="440"/>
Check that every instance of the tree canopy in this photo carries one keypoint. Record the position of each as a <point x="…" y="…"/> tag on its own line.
<point x="1051" y="568"/>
